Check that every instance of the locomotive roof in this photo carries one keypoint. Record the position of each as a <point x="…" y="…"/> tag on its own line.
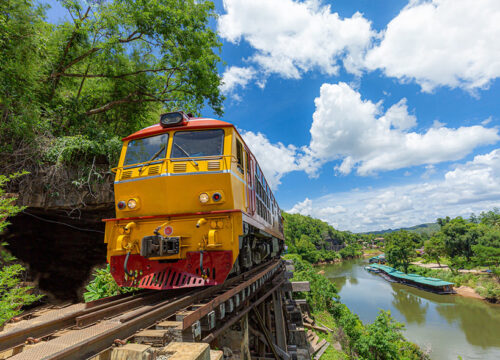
<point x="192" y="124"/>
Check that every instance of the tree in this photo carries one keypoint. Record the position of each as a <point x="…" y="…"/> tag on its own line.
<point x="487" y="249"/>
<point x="400" y="249"/>
<point x="108" y="72"/>
<point x="434" y="248"/>
<point x="459" y="237"/>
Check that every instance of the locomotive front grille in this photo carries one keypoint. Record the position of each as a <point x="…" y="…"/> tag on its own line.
<point x="179" y="167"/>
<point x="213" y="165"/>
<point x="126" y="174"/>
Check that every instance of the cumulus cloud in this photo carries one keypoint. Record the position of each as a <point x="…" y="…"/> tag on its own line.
<point x="291" y="37"/>
<point x="275" y="160"/>
<point x="470" y="187"/>
<point x="361" y="137"/>
<point x="356" y="131"/>
<point x="235" y="77"/>
<point x="441" y="42"/>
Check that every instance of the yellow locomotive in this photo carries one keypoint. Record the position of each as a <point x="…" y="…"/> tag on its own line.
<point x="192" y="206"/>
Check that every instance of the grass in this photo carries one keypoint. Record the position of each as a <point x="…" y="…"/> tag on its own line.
<point x="326" y="319"/>
<point x="372" y="252"/>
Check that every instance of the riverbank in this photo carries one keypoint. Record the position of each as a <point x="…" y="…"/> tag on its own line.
<point x="383" y="337"/>
<point x="446" y="325"/>
<point x="476" y="285"/>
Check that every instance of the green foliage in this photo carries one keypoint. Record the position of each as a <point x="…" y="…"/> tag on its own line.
<point x="69" y="91"/>
<point x="400" y="249"/>
<point x="467" y="243"/>
<point x="459" y="236"/>
<point x="13" y="294"/>
<point x="78" y="149"/>
<point x="381" y="340"/>
<point x="103" y="285"/>
<point x="434" y="248"/>
<point x="323" y="294"/>
<point x="311" y="237"/>
<point x="351" y="251"/>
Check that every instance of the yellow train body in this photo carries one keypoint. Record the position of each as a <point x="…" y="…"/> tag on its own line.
<point x="183" y="220"/>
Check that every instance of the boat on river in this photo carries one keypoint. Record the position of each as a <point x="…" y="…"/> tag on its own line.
<point x="435" y="285"/>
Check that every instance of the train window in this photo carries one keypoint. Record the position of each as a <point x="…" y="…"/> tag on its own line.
<point x="239" y="155"/>
<point x="198" y="143"/>
<point x="146" y="149"/>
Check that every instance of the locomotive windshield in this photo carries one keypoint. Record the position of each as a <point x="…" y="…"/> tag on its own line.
<point x="147" y="149"/>
<point x="198" y="143"/>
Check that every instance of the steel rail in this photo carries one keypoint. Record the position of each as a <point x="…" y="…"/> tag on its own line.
<point x="132" y="323"/>
<point x="214" y="303"/>
<point x="15" y="338"/>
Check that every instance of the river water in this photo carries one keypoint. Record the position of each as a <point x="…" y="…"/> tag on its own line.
<point x="448" y="325"/>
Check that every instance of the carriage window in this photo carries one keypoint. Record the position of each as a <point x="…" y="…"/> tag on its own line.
<point x="198" y="143"/>
<point x="239" y="155"/>
<point x="146" y="149"/>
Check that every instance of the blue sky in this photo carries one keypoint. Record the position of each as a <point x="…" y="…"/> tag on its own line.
<point x="367" y="114"/>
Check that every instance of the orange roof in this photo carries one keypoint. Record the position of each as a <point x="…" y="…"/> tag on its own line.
<point x="192" y="124"/>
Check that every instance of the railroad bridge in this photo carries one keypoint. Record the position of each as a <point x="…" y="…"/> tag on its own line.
<point x="250" y="316"/>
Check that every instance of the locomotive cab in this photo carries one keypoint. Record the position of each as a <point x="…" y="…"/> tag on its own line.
<point x="184" y="195"/>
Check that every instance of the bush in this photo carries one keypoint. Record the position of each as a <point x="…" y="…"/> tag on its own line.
<point x="381" y="340"/>
<point x="13" y="295"/>
<point x="104" y="285"/>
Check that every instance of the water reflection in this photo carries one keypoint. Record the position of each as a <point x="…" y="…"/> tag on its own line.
<point x="412" y="307"/>
<point x="339" y="282"/>
<point x="479" y="322"/>
<point x="451" y="325"/>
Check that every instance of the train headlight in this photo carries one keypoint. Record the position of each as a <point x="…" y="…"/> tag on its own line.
<point x="132" y="203"/>
<point x="173" y="119"/>
<point x="121" y="205"/>
<point x="204" y="198"/>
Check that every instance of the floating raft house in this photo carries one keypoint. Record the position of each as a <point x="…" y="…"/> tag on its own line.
<point x="426" y="283"/>
<point x="379" y="259"/>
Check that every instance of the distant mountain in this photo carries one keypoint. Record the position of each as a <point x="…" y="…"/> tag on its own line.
<point x="428" y="228"/>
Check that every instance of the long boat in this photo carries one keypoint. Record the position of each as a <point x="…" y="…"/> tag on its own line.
<point x="435" y="285"/>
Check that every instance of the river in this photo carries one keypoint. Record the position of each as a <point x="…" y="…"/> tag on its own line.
<point x="448" y="325"/>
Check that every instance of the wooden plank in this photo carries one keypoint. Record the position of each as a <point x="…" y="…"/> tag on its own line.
<point x="318" y="328"/>
<point x="318" y="346"/>
<point x="322" y="351"/>
<point x="301" y="286"/>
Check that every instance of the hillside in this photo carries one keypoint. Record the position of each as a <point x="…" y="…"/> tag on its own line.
<point x="427" y="228"/>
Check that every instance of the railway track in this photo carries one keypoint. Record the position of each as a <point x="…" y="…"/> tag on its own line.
<point x="82" y="331"/>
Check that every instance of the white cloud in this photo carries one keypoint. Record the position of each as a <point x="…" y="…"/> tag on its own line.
<point x="235" y="77"/>
<point x="291" y="37"/>
<point x="364" y="138"/>
<point x="275" y="160"/>
<point x="346" y="127"/>
<point x="441" y="42"/>
<point x="470" y="187"/>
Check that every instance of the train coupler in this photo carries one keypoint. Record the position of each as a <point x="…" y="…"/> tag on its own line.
<point x="157" y="245"/>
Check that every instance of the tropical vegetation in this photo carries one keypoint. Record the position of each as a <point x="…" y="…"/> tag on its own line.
<point x="70" y="91"/>
<point x="13" y="293"/>
<point x="382" y="339"/>
<point x="314" y="239"/>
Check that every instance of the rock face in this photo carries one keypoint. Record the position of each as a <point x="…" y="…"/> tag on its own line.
<point x="59" y="249"/>
<point x="59" y="237"/>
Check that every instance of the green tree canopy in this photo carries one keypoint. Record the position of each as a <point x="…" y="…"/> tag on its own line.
<point x="107" y="72"/>
<point x="400" y="248"/>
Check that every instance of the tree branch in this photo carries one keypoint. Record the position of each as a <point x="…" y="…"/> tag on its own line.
<point x="114" y="76"/>
<point x="126" y="100"/>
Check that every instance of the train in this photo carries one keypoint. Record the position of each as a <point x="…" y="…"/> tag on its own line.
<point x="192" y="206"/>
